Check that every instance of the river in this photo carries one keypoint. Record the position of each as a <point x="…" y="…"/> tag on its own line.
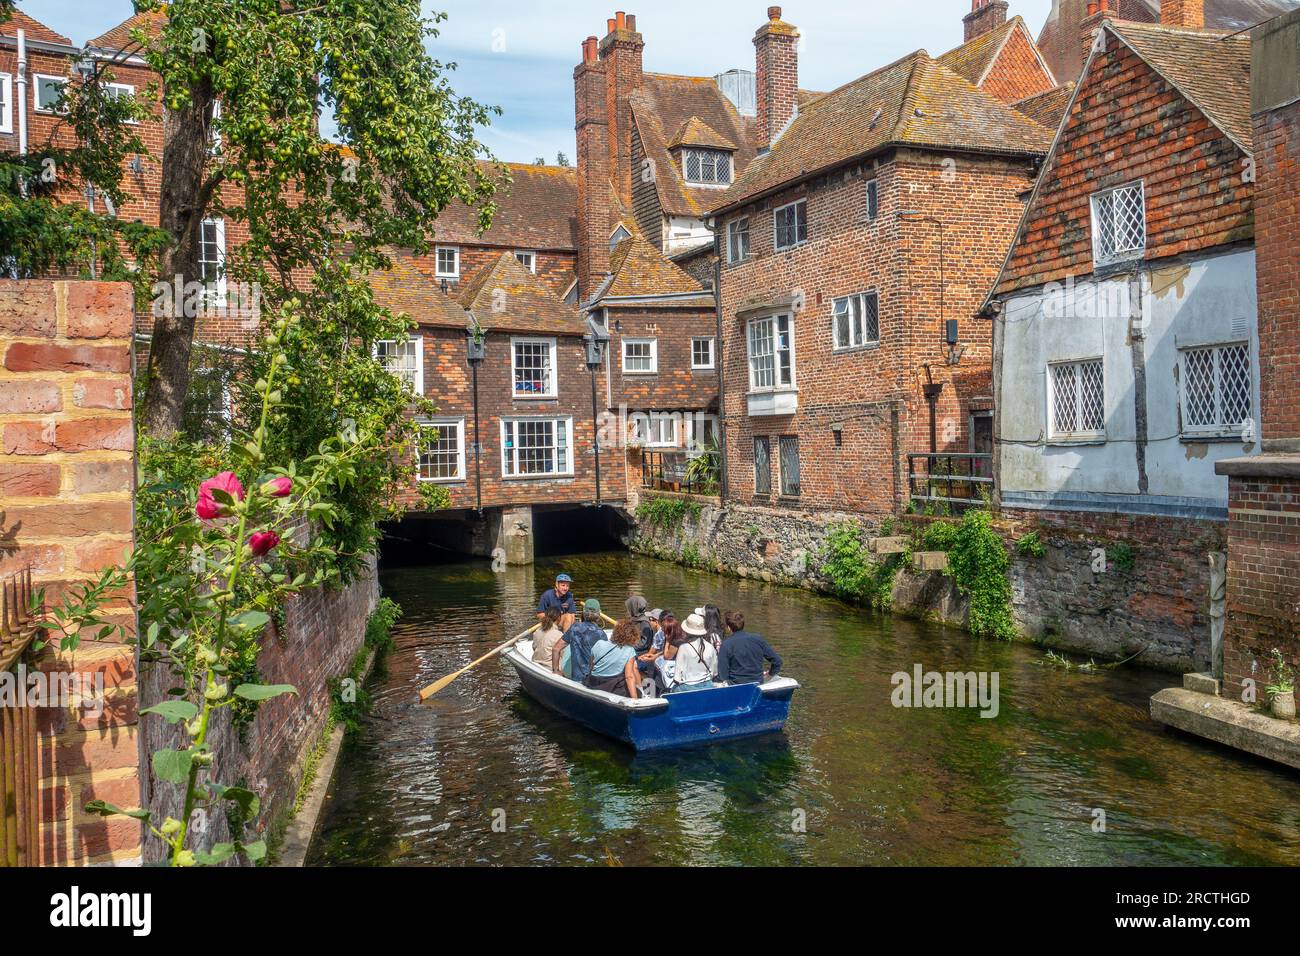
<point x="1071" y="771"/>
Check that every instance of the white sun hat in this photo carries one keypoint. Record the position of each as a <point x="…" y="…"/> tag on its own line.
<point x="694" y="625"/>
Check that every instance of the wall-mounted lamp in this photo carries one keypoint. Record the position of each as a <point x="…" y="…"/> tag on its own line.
<point x="136" y="165"/>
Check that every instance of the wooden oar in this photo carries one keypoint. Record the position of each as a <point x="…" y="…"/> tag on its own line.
<point x="444" y="681"/>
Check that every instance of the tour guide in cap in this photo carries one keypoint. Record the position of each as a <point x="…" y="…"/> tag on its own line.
<point x="559" y="597"/>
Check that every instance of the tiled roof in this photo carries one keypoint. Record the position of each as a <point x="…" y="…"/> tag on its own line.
<point x="696" y="132"/>
<point x="913" y="102"/>
<point x="404" y="288"/>
<point x="639" y="269"/>
<point x="509" y="298"/>
<point x="119" y="38"/>
<point x="661" y="107"/>
<point x="973" y="59"/>
<point x="1046" y="109"/>
<point x="1211" y="69"/>
<point x="34" y="29"/>
<point x="537" y="210"/>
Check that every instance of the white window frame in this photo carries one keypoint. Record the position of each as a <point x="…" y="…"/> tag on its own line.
<point x="438" y="270"/>
<point x="128" y="90"/>
<point x="694" y="442"/>
<point x="1220" y="429"/>
<point x="1082" y="435"/>
<point x="218" y="295"/>
<point x="416" y="340"/>
<point x="1099" y="257"/>
<point x="772" y="337"/>
<point x="713" y="359"/>
<point x="712" y="154"/>
<point x="531" y="264"/>
<point x="654" y="355"/>
<point x="552" y="390"/>
<point x="776" y="229"/>
<point x="734" y="232"/>
<point x="657" y="429"/>
<point x="847" y="302"/>
<point x="36" y="91"/>
<point x="441" y="423"/>
<point x="7" y="107"/>
<point x="509" y="456"/>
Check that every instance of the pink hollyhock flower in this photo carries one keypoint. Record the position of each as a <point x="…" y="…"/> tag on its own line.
<point x="262" y="542"/>
<point x="208" y="507"/>
<point x="278" y="487"/>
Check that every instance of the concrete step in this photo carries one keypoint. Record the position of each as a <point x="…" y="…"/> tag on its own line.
<point x="930" y="560"/>
<point x="1229" y="722"/>
<point x="1202" y="684"/>
<point x="895" y="544"/>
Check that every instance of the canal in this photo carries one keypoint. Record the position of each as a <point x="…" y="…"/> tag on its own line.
<point x="483" y="775"/>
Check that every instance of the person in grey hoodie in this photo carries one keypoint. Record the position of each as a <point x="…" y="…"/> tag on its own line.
<point x="636" y="613"/>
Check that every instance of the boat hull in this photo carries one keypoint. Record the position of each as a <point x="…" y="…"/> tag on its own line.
<point x="675" y="720"/>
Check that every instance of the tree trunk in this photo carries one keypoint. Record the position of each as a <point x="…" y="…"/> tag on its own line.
<point x="186" y="138"/>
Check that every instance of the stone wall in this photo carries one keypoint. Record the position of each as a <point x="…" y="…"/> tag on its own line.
<point x="65" y="502"/>
<point x="323" y="630"/>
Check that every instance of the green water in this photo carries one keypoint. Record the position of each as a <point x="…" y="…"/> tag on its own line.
<point x="484" y="775"/>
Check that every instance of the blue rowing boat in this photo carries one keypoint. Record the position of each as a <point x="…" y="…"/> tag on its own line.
<point x="659" y="723"/>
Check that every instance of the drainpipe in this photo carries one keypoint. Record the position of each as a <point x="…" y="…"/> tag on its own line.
<point x="22" y="92"/>
<point x="717" y="361"/>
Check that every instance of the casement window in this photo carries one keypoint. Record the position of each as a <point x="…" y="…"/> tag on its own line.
<point x="873" y="198"/>
<point x="536" y="447"/>
<point x="789" y="465"/>
<point x="1076" y="400"/>
<point x="791" y="224"/>
<point x="212" y="258"/>
<point x="640" y="356"/>
<point x="1216" y="386"/>
<point x="771" y="353"/>
<point x="48" y="89"/>
<point x="442" y="450"/>
<point x="118" y="90"/>
<point x="6" y="103"/>
<point x="533" y="368"/>
<point x="1119" y="224"/>
<point x="856" y="320"/>
<point x="701" y="430"/>
<point x="762" y="465"/>
<point x="738" y="240"/>
<point x="447" y="262"/>
<point x="657" y="430"/>
<point x="701" y="352"/>
<point x="707" y="166"/>
<point x="405" y="359"/>
<point x="528" y="260"/>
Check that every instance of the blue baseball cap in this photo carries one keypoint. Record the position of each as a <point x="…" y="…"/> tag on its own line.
<point x="563" y="577"/>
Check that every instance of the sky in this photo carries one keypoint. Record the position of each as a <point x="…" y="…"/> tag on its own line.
<point x="520" y="54"/>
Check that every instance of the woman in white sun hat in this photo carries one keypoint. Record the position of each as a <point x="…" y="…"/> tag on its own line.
<point x="696" y="661"/>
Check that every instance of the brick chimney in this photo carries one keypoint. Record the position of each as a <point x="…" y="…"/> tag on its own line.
<point x="985" y="16"/>
<point x="593" y="167"/>
<point x="776" y="55"/>
<point x="1098" y="11"/>
<point x="621" y="53"/>
<point x="1183" y="13"/>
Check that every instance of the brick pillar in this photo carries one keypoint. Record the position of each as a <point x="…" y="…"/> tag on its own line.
<point x="1098" y="12"/>
<point x="621" y="52"/>
<point x="985" y="16"/>
<point x="593" y="169"/>
<point x="1264" y="491"/>
<point x="776" y="59"/>
<point x="66" y="478"/>
<point x="1183" y="13"/>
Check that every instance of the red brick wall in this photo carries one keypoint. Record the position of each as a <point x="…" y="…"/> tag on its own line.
<point x="676" y="386"/>
<point x="776" y="62"/>
<point x="593" y="161"/>
<point x="1129" y="124"/>
<point x="66" y="475"/>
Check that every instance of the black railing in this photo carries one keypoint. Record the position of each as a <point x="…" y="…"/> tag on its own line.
<point x="673" y="471"/>
<point x="949" y="479"/>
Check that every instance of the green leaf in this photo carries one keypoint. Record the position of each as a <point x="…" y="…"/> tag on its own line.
<point x="251" y="620"/>
<point x="172" y="710"/>
<point x="221" y="852"/>
<point x="106" y="809"/>
<point x="255" y="851"/>
<point x="172" y="765"/>
<point x="248" y="802"/>
<point x="263" y="691"/>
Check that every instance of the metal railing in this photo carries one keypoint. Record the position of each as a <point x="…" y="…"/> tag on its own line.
<point x="949" y="479"/>
<point x="668" y="471"/>
<point x="19" y="806"/>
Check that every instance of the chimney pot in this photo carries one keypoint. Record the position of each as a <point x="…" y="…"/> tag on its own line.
<point x="1093" y="8"/>
<point x="620" y="18"/>
<point x="774" y="13"/>
<point x="611" y="25"/>
<point x="631" y="23"/>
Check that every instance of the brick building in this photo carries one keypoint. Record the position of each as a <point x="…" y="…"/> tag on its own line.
<point x="854" y="252"/>
<point x="1125" y="344"/>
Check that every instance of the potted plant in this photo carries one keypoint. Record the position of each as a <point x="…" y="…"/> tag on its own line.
<point x="1281" y="693"/>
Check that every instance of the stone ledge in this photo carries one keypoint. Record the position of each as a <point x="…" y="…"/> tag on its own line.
<point x="1260" y="466"/>
<point x="1228" y="722"/>
<point x="1201" y="683"/>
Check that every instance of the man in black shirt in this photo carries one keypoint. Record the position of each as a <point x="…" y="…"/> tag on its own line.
<point x="741" y="659"/>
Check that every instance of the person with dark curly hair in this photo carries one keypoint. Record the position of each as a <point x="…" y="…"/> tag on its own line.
<point x="613" y="661"/>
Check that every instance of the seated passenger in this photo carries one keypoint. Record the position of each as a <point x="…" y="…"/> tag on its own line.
<point x="545" y="637"/>
<point x="743" y="653"/>
<point x="578" y="640"/>
<point x="694" y="659"/>
<point x="613" y="661"/>
<point x="663" y="662"/>
<point x="560" y="596"/>
<point x="714" y="625"/>
<point x="636" y="613"/>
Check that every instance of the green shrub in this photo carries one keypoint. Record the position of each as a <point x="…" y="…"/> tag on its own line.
<point x="978" y="563"/>
<point x="667" y="512"/>
<point x="1030" y="545"/>
<point x="853" y="576"/>
<point x="1121" y="555"/>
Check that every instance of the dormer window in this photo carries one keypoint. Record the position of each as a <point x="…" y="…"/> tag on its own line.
<point x="710" y="167"/>
<point x="620" y="233"/>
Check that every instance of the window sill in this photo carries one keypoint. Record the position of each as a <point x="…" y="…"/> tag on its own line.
<point x="797" y="245"/>
<point x="440" y="481"/>
<point x="535" y="398"/>
<point x="537" y="477"/>
<point x="704" y="368"/>
<point x="1063" y="442"/>
<point x="1217" y="438"/>
<point x="850" y="349"/>
<point x="642" y="374"/>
